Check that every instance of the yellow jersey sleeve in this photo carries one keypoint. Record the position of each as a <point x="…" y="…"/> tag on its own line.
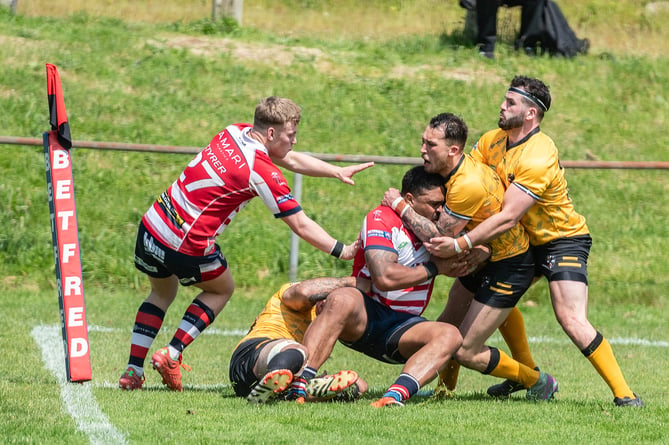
<point x="277" y="321"/>
<point x="466" y="194"/>
<point x="474" y="193"/>
<point x="534" y="170"/>
<point x="490" y="148"/>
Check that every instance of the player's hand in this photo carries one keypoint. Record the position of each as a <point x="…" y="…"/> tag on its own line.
<point x="349" y="250"/>
<point x="390" y="196"/>
<point x="476" y="258"/>
<point x="345" y="174"/>
<point x="452" y="267"/>
<point x="441" y="246"/>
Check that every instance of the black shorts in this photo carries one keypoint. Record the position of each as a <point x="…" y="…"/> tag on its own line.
<point x="502" y="283"/>
<point x="159" y="261"/>
<point x="242" y="362"/>
<point x="382" y="334"/>
<point x="564" y="259"/>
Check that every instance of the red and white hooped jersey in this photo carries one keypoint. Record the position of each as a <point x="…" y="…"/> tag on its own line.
<point x="214" y="187"/>
<point x="383" y="229"/>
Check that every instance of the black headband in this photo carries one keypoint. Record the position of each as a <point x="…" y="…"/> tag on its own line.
<point x="530" y="97"/>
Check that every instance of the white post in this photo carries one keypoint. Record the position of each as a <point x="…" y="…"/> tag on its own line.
<point x="11" y="4"/>
<point x="227" y="8"/>
<point x="294" y="239"/>
<point x="216" y="6"/>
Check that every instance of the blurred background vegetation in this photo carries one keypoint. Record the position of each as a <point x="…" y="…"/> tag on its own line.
<point x="161" y="73"/>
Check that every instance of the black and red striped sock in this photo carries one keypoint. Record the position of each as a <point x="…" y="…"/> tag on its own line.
<point x="404" y="387"/>
<point x="148" y="321"/>
<point x="196" y="319"/>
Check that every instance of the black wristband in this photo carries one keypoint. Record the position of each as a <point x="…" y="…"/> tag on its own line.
<point x="432" y="270"/>
<point x="337" y="249"/>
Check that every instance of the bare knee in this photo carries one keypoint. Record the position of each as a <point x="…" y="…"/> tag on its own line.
<point x="466" y="354"/>
<point x="163" y="291"/>
<point x="465" y="357"/>
<point x="447" y="340"/>
<point x="452" y="337"/>
<point x="339" y="305"/>
<point x="572" y="323"/>
<point x="578" y="329"/>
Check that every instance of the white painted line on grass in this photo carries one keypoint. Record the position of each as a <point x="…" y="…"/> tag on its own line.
<point x="78" y="399"/>
<point x="542" y="339"/>
<point x="638" y="341"/>
<point x="612" y="340"/>
<point x="146" y="386"/>
<point x="226" y="332"/>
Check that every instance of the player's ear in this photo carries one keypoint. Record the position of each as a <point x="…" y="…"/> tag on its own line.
<point x="531" y="113"/>
<point x="270" y="133"/>
<point x="409" y="198"/>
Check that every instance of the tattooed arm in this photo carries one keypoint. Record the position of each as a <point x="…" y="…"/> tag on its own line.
<point x="423" y="227"/>
<point x="304" y="295"/>
<point x="446" y="225"/>
<point x="387" y="274"/>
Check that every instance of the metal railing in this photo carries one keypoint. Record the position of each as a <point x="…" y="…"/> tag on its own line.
<point x="297" y="185"/>
<point x="393" y="160"/>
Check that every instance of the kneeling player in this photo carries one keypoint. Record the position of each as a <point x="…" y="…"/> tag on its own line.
<point x="266" y="359"/>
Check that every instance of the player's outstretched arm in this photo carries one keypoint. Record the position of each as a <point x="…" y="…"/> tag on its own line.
<point x="306" y="164"/>
<point x="314" y="234"/>
<point x="345" y="174"/>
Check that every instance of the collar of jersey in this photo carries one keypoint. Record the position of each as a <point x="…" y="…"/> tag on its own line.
<point x="523" y="140"/>
<point x="450" y="175"/>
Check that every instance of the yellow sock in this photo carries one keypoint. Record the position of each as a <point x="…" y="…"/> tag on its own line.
<point x="513" y="331"/>
<point x="605" y="363"/>
<point x="508" y="368"/>
<point x="449" y="376"/>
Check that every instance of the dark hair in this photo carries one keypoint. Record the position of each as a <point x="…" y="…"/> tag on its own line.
<point x="455" y="129"/>
<point x="416" y="181"/>
<point x="536" y="88"/>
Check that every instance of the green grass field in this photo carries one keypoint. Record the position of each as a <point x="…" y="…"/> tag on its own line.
<point x="368" y="79"/>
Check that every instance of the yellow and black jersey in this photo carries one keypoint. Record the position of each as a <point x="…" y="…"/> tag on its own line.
<point x="533" y="165"/>
<point x="474" y="192"/>
<point x="278" y="321"/>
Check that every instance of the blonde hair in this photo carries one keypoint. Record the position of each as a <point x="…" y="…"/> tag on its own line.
<point x="274" y="111"/>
